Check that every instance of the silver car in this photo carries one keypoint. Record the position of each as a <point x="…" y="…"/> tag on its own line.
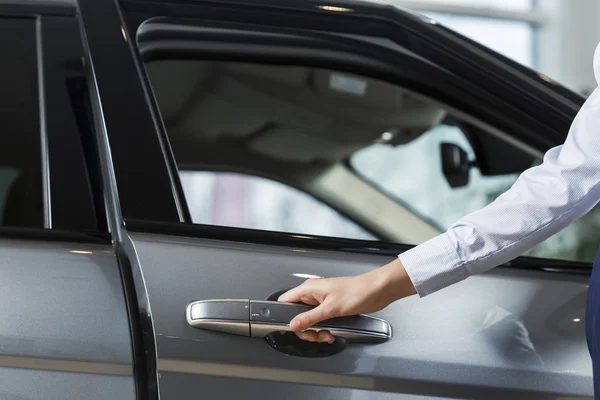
<point x="168" y="168"/>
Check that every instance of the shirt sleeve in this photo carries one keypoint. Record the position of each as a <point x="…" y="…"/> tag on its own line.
<point x="543" y="201"/>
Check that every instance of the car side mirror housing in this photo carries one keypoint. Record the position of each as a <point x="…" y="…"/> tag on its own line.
<point x="455" y="165"/>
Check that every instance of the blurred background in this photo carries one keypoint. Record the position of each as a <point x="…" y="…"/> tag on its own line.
<point x="555" y="37"/>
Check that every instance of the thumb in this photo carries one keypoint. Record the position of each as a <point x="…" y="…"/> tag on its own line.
<point x="309" y="318"/>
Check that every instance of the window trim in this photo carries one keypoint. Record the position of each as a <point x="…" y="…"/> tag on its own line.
<point x="310" y="242"/>
<point x="54" y="235"/>
<point x="45" y="153"/>
<point x="35" y="8"/>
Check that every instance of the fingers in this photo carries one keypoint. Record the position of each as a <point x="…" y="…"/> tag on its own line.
<point x="309" y="318"/>
<point x="325" y="337"/>
<point x="308" y="336"/>
<point x="312" y="336"/>
<point x="321" y="336"/>
<point x="292" y="296"/>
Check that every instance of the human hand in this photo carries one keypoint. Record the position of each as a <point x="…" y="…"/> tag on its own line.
<point x="339" y="297"/>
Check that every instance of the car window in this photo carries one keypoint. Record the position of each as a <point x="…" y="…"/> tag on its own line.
<point x="296" y="125"/>
<point x="412" y="174"/>
<point x="368" y="149"/>
<point x="44" y="119"/>
<point x="21" y="199"/>
<point x="252" y="202"/>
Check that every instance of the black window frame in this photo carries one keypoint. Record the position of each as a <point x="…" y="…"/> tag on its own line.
<point x="72" y="152"/>
<point x="71" y="209"/>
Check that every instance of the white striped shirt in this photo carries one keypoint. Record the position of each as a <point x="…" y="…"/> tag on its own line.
<point x="543" y="201"/>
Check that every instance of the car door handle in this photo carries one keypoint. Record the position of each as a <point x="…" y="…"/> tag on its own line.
<point x="258" y="318"/>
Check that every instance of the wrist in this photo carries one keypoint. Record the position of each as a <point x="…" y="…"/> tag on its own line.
<point x="393" y="283"/>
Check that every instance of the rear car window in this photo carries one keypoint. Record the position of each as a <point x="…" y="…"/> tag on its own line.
<point x="21" y="198"/>
<point x="45" y="128"/>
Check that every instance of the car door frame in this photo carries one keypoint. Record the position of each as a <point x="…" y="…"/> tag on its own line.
<point x="111" y="29"/>
<point x="138" y="163"/>
<point x="72" y="244"/>
<point x="127" y="114"/>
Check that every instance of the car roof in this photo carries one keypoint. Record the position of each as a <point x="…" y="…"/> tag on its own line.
<point x="376" y="8"/>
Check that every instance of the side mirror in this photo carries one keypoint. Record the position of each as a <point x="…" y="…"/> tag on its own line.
<point x="455" y="165"/>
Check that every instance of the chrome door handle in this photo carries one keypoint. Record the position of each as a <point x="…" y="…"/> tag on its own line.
<point x="257" y="318"/>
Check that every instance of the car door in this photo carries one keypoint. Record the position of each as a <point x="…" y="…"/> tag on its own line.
<point x="65" y="330"/>
<point x="514" y="332"/>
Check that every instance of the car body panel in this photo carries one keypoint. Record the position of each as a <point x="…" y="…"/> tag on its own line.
<point x="508" y="333"/>
<point x="22" y="384"/>
<point x="65" y="330"/>
<point x="471" y="340"/>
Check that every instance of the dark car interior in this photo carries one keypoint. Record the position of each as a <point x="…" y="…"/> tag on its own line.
<point x="292" y="124"/>
<point x="256" y="116"/>
<point x="279" y="113"/>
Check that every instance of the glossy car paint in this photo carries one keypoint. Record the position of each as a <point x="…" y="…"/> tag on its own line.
<point x="510" y="333"/>
<point x="65" y="331"/>
<point x="470" y="341"/>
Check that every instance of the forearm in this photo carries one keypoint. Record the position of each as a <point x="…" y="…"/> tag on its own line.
<point x="543" y="201"/>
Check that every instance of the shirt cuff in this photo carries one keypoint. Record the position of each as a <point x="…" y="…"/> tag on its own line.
<point x="433" y="265"/>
